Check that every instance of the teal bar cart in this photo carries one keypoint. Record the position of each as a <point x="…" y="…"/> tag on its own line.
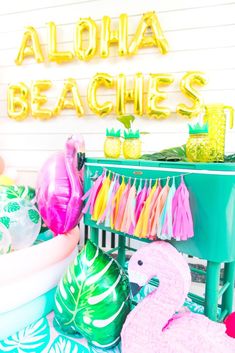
<point x="212" y="199"/>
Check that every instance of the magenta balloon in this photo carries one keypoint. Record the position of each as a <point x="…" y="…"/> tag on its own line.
<point x="60" y="188"/>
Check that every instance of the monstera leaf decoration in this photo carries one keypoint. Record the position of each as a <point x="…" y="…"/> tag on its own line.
<point x="93" y="298"/>
<point x="8" y="193"/>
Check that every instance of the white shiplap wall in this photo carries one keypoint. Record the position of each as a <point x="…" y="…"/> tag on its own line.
<point x="201" y="35"/>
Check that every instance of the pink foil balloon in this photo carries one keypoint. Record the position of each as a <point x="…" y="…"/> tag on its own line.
<point x="60" y="187"/>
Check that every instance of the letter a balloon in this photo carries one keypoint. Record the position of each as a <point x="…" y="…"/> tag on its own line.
<point x="60" y="187"/>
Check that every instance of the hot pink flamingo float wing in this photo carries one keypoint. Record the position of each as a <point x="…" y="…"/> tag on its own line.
<point x="153" y="326"/>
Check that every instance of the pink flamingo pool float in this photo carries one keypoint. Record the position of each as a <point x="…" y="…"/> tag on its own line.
<point x="153" y="326"/>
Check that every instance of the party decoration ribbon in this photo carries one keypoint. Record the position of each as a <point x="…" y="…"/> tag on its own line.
<point x="147" y="210"/>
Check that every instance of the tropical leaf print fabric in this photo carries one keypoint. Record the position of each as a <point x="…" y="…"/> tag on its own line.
<point x="43" y="337"/>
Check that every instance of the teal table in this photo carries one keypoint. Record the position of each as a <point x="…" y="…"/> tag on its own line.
<point x="212" y="199"/>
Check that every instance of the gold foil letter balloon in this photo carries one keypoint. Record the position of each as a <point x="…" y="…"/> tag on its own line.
<point x="85" y="24"/>
<point x="150" y="21"/>
<point x="30" y="46"/>
<point x="53" y="54"/>
<point x="155" y="96"/>
<point x="125" y="95"/>
<point x="189" y="79"/>
<point x="17" y="101"/>
<point x="119" y="36"/>
<point x="100" y="79"/>
<point x="38" y="99"/>
<point x="74" y="102"/>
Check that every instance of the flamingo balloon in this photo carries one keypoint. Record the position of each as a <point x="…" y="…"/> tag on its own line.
<point x="153" y="326"/>
<point x="60" y="187"/>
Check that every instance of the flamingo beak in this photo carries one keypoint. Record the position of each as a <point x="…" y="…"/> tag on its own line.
<point x="135" y="288"/>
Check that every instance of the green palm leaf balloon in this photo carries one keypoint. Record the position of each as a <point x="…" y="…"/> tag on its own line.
<point x="93" y="298"/>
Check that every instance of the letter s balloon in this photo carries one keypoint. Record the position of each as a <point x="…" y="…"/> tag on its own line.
<point x="189" y="79"/>
<point x="60" y="188"/>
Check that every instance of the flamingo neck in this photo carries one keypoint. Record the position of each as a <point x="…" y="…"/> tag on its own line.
<point x="155" y="310"/>
<point x="71" y="157"/>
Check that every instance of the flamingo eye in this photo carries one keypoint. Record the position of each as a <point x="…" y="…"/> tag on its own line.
<point x="140" y="263"/>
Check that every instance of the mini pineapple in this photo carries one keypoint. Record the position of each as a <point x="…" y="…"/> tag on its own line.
<point x="198" y="146"/>
<point x="112" y="144"/>
<point x="132" y="144"/>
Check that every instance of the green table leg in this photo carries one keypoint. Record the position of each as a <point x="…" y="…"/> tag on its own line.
<point x="212" y="289"/>
<point x="121" y="250"/>
<point x="229" y="276"/>
<point x="94" y="235"/>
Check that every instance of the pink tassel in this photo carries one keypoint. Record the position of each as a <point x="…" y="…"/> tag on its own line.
<point x="92" y="193"/>
<point x="182" y="216"/>
<point x="142" y="196"/>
